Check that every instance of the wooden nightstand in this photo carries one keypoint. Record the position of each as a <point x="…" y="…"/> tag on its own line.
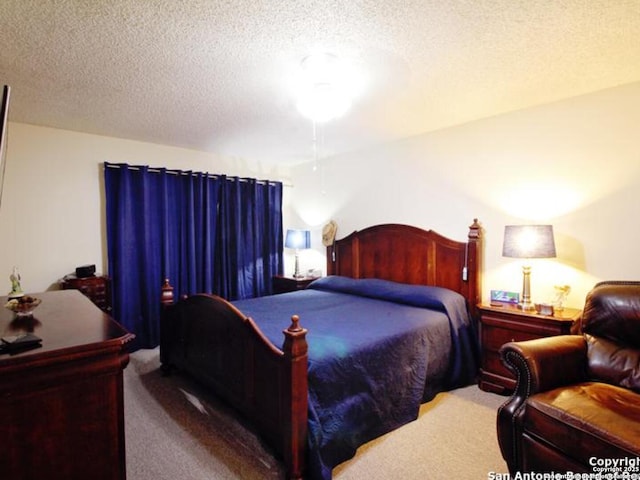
<point x="97" y="288"/>
<point x="502" y="324"/>
<point x="283" y="284"/>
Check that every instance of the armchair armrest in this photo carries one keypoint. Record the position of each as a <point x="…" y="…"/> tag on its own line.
<point x="539" y="365"/>
<point x="546" y="363"/>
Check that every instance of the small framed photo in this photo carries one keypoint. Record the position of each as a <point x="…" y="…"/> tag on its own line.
<point x="504" y="296"/>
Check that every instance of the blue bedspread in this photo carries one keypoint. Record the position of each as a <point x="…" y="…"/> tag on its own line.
<point x="377" y="350"/>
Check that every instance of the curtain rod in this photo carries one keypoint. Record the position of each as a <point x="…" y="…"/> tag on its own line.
<point x="182" y="172"/>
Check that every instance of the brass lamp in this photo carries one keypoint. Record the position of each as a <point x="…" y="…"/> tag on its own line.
<point x="298" y="239"/>
<point x="528" y="241"/>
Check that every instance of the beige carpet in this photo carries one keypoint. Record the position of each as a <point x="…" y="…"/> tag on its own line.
<point x="174" y="429"/>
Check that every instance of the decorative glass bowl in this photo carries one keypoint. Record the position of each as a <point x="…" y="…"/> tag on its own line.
<point x="23" y="306"/>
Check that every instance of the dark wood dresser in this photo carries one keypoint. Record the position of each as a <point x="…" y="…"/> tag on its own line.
<point x="506" y="323"/>
<point x="96" y="287"/>
<point x="61" y="405"/>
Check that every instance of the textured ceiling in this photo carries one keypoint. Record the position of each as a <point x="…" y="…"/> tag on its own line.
<point x="215" y="75"/>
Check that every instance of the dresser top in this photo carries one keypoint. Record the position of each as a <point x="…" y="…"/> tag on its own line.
<point x="68" y="323"/>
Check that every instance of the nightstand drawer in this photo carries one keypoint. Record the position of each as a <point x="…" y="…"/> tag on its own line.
<point x="93" y="290"/>
<point x="491" y="362"/>
<point x="97" y="288"/>
<point x="494" y="337"/>
<point x="503" y="324"/>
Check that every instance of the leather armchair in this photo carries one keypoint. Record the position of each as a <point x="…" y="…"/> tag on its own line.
<point x="577" y="397"/>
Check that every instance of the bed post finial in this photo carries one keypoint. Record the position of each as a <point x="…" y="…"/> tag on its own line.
<point x="474" y="230"/>
<point x="295" y="343"/>
<point x="166" y="297"/>
<point x="295" y="324"/>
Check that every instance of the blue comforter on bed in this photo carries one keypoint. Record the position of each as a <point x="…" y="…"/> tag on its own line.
<point x="377" y="350"/>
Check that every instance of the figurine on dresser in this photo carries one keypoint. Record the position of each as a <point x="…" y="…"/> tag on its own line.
<point x="16" y="288"/>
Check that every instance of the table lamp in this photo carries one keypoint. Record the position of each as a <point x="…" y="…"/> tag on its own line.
<point x="528" y="241"/>
<point x="298" y="239"/>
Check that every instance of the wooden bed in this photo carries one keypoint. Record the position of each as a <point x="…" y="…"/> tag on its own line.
<point x="268" y="385"/>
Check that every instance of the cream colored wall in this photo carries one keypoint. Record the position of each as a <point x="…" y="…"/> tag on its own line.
<point x="52" y="212"/>
<point x="574" y="164"/>
<point x="578" y="160"/>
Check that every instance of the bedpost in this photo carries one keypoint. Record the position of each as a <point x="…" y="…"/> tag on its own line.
<point x="295" y="399"/>
<point x="474" y="265"/>
<point x="166" y="329"/>
<point x="166" y="297"/>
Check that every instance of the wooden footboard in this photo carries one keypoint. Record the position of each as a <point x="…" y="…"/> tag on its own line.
<point x="211" y="340"/>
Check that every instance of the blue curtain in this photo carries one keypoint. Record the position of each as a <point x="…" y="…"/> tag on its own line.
<point x="205" y="233"/>
<point x="250" y="242"/>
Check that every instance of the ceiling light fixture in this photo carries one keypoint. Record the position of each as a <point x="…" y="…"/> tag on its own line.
<point x="322" y="102"/>
<point x="324" y="88"/>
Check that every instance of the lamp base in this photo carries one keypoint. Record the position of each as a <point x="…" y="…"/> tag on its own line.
<point x="296" y="273"/>
<point x="527" y="306"/>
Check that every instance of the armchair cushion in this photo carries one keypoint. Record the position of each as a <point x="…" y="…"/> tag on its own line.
<point x="585" y="420"/>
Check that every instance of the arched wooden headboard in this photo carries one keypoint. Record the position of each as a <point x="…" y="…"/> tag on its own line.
<point x="407" y="254"/>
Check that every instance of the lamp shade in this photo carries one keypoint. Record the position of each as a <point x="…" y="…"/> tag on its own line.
<point x="298" y="239"/>
<point x="528" y="241"/>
